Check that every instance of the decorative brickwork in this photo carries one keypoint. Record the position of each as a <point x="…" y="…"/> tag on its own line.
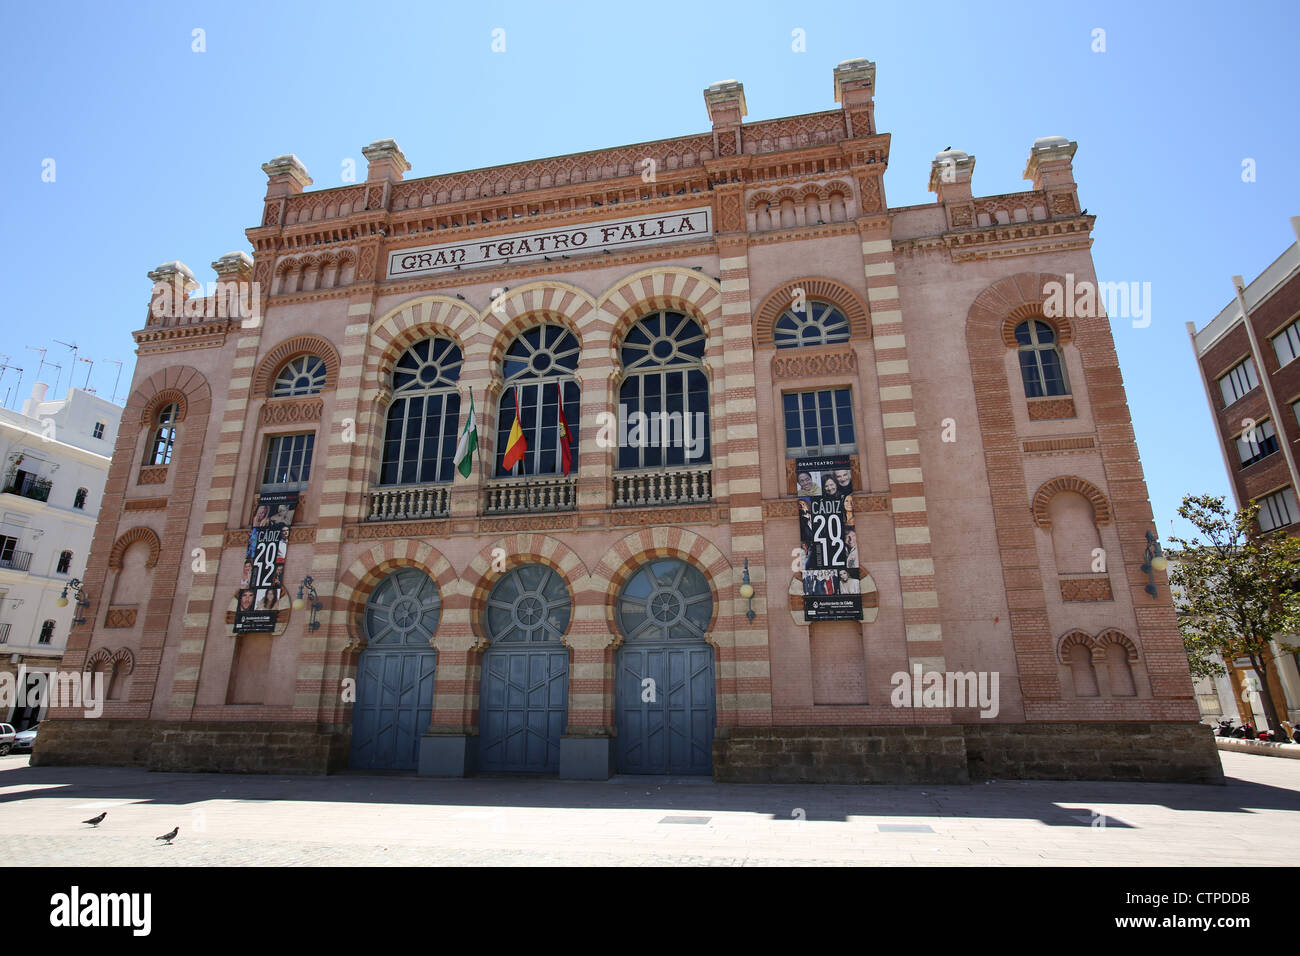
<point x="817" y="288"/>
<point x="153" y="475"/>
<point x="1048" y="490"/>
<point x="1044" y="409"/>
<point x="290" y="411"/>
<point x="128" y="538"/>
<point x="808" y="363"/>
<point x="1090" y="588"/>
<point x="120" y="616"/>
<point x="286" y="351"/>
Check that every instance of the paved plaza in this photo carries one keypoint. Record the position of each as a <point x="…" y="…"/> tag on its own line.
<point x="354" y="819"/>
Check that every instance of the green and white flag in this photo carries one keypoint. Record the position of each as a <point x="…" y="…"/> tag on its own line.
<point x="468" y="443"/>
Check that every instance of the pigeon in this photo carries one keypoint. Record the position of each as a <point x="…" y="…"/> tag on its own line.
<point x="96" y="821"/>
<point x="169" y="836"/>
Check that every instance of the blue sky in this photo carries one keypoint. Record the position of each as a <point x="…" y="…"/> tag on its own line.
<point x="158" y="149"/>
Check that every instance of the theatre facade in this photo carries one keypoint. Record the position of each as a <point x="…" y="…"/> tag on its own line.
<point x="842" y="497"/>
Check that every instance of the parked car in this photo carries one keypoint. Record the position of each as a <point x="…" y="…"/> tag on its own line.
<point x="24" y="740"/>
<point x="7" y="737"/>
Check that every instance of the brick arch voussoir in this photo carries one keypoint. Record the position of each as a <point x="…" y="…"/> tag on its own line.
<point x="820" y="288"/>
<point x="368" y="569"/>
<point x="685" y="290"/>
<point x="427" y="316"/>
<point x="139" y="534"/>
<point x="1074" y="639"/>
<point x="1101" y="510"/>
<point x="292" y="348"/>
<point x="1113" y="636"/>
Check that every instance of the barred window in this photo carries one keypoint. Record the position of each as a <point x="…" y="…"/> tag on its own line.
<point x="79" y="500"/>
<point x="164" y="437"/>
<point x="816" y="323"/>
<point x="65" y="563"/>
<point x="288" y="461"/>
<point x="1256" y="443"/>
<point x="1287" y="344"/>
<point x="98" y="430"/>
<point x="819" y="423"/>
<point x="47" y="633"/>
<point x="304" y="375"/>
<point x="529" y="604"/>
<point x="1277" y="510"/>
<point x="664" y="385"/>
<point x="420" y="435"/>
<point x="1041" y="367"/>
<point x="540" y="368"/>
<point x="1239" y="380"/>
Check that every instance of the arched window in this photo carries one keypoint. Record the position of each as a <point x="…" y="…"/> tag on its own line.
<point x="665" y="600"/>
<point x="665" y="393"/>
<point x="529" y="604"/>
<point x="403" y="610"/>
<point x="305" y="375"/>
<point x="540" y="366"/>
<point x="420" y="437"/>
<point x="164" y="436"/>
<point x="47" y="633"/>
<point x="1040" y="361"/>
<point x="816" y="323"/>
<point x="65" y="563"/>
<point x="79" y="499"/>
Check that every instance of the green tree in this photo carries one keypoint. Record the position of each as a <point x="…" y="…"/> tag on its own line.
<point x="1235" y="591"/>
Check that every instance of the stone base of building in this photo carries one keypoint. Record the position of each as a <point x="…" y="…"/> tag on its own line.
<point x="967" y="753"/>
<point x="194" y="746"/>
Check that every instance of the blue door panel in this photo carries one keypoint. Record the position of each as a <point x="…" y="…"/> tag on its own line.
<point x="523" y="707"/>
<point x="394" y="707"/>
<point x="674" y="732"/>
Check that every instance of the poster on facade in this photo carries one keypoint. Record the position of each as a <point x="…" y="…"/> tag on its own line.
<point x="261" y="584"/>
<point x="832" y="589"/>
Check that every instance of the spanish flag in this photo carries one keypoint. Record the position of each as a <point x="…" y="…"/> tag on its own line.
<point x="516" y="445"/>
<point x="566" y="436"/>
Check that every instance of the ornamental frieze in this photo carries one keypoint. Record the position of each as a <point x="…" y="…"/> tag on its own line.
<point x="1086" y="589"/>
<point x="280" y="412"/>
<point x="809" y="366"/>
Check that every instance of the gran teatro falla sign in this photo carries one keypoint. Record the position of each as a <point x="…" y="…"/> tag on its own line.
<point x="522" y="246"/>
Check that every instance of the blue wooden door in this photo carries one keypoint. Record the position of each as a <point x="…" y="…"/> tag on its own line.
<point x="393" y="708"/>
<point x="523" y="708"/>
<point x="395" y="672"/>
<point x="665" y="726"/>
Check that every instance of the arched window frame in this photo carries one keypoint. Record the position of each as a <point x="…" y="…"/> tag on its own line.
<point x="420" y="434"/>
<point x="1041" y="378"/>
<point x="164" y="436"/>
<point x="530" y="604"/>
<point x="541" y="359"/>
<point x="302" y="375"/>
<point x="665" y="600"/>
<point x="819" y="323"/>
<point x="658" y="381"/>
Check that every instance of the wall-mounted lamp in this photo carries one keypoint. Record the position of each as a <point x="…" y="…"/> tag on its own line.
<point x="79" y="593"/>
<point x="311" y="596"/>
<point x="747" y="592"/>
<point x="1152" y="561"/>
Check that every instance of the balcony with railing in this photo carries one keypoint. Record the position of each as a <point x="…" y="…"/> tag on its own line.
<point x="408" y="502"/>
<point x="29" y="486"/>
<point x="663" y="486"/>
<point x="531" y="494"/>
<point x="16" y="560"/>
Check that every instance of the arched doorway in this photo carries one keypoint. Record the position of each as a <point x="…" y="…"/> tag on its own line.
<point x="394" y="703"/>
<point x="524" y="699"/>
<point x="664" y="692"/>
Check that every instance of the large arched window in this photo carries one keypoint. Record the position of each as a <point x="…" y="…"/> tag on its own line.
<point x="1040" y="361"/>
<point x="164" y="436"/>
<point x="529" y="604"/>
<point x="816" y="323"/>
<point x="420" y="436"/>
<point x="665" y="394"/>
<point x="540" y="366"/>
<point x="403" y="610"/>
<point x="304" y="375"/>
<point x="665" y="600"/>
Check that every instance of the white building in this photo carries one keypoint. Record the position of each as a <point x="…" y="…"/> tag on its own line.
<point x="54" y="457"/>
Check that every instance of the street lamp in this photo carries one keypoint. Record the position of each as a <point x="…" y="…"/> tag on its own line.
<point x="79" y="593"/>
<point x="1153" y="560"/>
<point x="747" y="592"/>
<point x="316" y="605"/>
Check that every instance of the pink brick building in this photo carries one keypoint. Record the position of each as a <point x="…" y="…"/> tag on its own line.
<point x="753" y="277"/>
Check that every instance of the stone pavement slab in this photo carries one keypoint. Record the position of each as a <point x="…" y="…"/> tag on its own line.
<point x="355" y="820"/>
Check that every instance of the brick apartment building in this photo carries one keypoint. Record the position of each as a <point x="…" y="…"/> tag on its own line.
<point x="753" y="275"/>
<point x="1247" y="360"/>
